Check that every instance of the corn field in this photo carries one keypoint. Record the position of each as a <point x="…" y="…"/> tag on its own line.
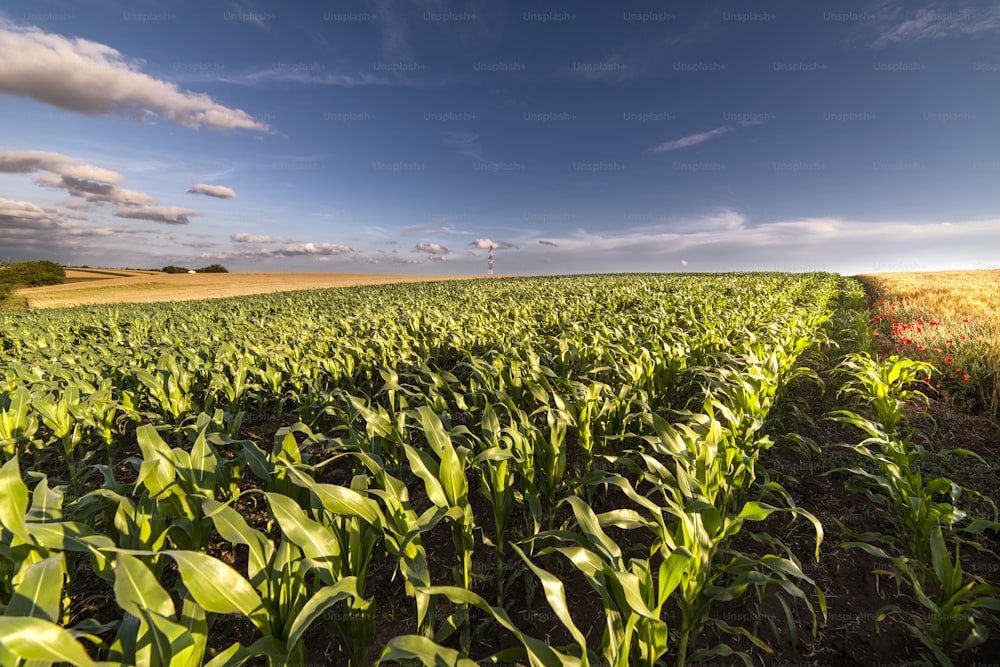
<point x="472" y="464"/>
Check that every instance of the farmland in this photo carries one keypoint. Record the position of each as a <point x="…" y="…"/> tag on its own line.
<point x="97" y="286"/>
<point x="587" y="470"/>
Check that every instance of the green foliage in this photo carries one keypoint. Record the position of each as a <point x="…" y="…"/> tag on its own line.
<point x="213" y="268"/>
<point x="174" y="269"/>
<point x="500" y="412"/>
<point x="31" y="274"/>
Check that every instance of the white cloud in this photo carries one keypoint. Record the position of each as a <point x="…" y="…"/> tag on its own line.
<point x="94" y="191"/>
<point x="690" y="140"/>
<point x="903" y="23"/>
<point x="433" y="249"/>
<point x="220" y="191"/>
<point x="171" y="215"/>
<point x="92" y="78"/>
<point x="79" y="179"/>
<point x="466" y="143"/>
<point x="486" y="244"/>
<point x="25" y="215"/>
<point x="243" y="237"/>
<point x="316" y="250"/>
<point x="27" y="162"/>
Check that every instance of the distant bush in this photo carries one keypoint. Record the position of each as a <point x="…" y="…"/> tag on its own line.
<point x="213" y="268"/>
<point x="174" y="269"/>
<point x="33" y="274"/>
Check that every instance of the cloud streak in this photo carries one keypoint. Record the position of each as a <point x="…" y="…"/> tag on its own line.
<point x="902" y="23"/>
<point x="243" y="237"/>
<point x="171" y="215"/>
<point x="690" y="140"/>
<point x="25" y="215"/>
<point x="79" y="179"/>
<point x="486" y="244"/>
<point x="219" y="191"/>
<point x="438" y="251"/>
<point x="91" y="78"/>
<point x="27" y="162"/>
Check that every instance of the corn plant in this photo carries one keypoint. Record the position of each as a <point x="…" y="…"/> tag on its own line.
<point x="633" y="592"/>
<point x="170" y="386"/>
<point x="955" y="607"/>
<point x="18" y="422"/>
<point x="886" y="387"/>
<point x="537" y="652"/>
<point x="497" y="487"/>
<point x="278" y="597"/>
<point x="356" y="524"/>
<point x="692" y="495"/>
<point x="448" y="488"/>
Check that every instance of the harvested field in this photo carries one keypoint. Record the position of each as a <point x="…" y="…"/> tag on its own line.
<point x="148" y="286"/>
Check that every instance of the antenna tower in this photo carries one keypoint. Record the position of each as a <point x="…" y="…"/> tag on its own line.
<point x="490" y="262"/>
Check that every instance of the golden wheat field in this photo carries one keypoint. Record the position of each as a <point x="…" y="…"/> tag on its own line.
<point x="94" y="286"/>
<point x="956" y="294"/>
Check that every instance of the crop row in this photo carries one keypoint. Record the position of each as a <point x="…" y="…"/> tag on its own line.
<point x="538" y="423"/>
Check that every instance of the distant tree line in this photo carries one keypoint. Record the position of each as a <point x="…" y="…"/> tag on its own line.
<point x="28" y="274"/>
<point x="32" y="274"/>
<point x="211" y="268"/>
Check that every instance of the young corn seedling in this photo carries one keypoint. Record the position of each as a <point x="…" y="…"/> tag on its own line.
<point x="550" y="449"/>
<point x="955" y="607"/>
<point x="633" y="592"/>
<point x="497" y="487"/>
<point x="18" y="422"/>
<point x="885" y="387"/>
<point x="281" y="597"/>
<point x="356" y="523"/>
<point x="60" y="415"/>
<point x="448" y="488"/>
<point x="692" y="496"/>
<point x="402" y="529"/>
<point x="32" y="532"/>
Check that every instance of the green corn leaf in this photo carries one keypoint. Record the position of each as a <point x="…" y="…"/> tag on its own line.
<point x="238" y="654"/>
<point x="233" y="528"/>
<point x="71" y="536"/>
<point x="193" y="619"/>
<point x="342" y="500"/>
<point x="424" y="650"/>
<point x="555" y="594"/>
<point x="39" y="639"/>
<point x="322" y="600"/>
<point x="591" y="526"/>
<point x="166" y="638"/>
<point x="315" y="540"/>
<point x="218" y="588"/>
<point x="427" y="470"/>
<point x="673" y="570"/>
<point x="437" y="436"/>
<point x="157" y="471"/>
<point x="13" y="499"/>
<point x="46" y="503"/>
<point x="39" y="592"/>
<point x="137" y="589"/>
<point x="538" y="652"/>
<point x="756" y="511"/>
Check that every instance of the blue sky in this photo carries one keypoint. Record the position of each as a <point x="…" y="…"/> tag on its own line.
<point x="409" y="136"/>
